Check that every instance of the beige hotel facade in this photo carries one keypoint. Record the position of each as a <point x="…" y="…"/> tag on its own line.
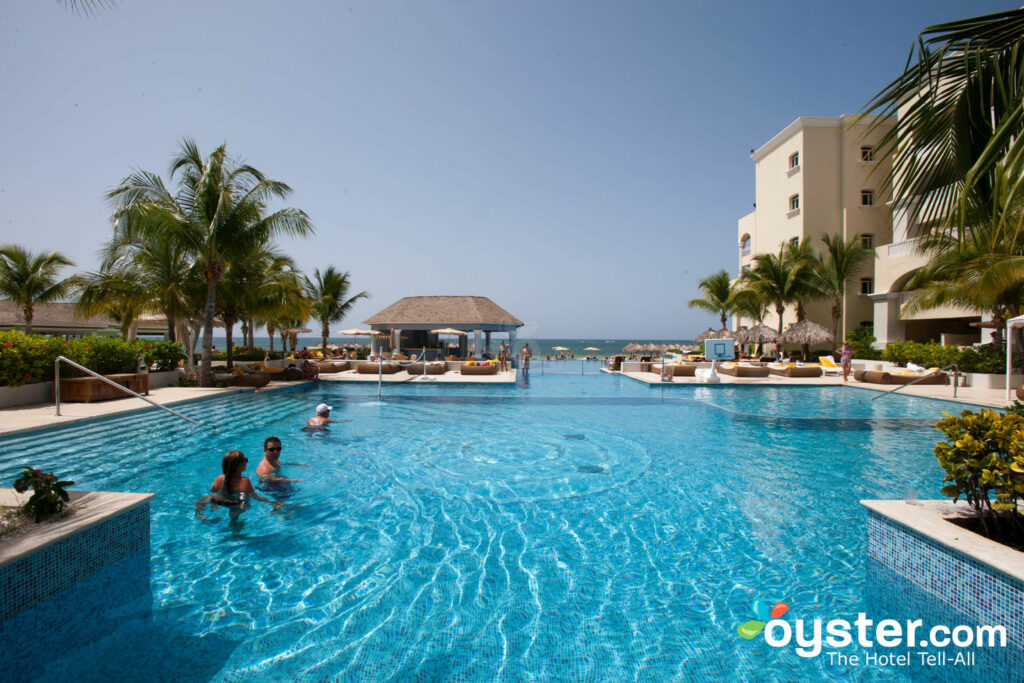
<point x="825" y="176"/>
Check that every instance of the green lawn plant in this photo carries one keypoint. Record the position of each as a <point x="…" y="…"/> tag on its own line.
<point x="983" y="457"/>
<point x="48" y="492"/>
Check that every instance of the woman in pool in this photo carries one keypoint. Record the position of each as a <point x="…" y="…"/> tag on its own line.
<point x="231" y="489"/>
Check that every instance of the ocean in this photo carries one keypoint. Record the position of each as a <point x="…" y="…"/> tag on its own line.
<point x="540" y="347"/>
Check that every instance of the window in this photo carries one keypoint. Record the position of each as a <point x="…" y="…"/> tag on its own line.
<point x="794" y="202"/>
<point x="867" y="197"/>
<point x="746" y="269"/>
<point x="794" y="159"/>
<point x="867" y="241"/>
<point x="745" y="246"/>
<point x="867" y="285"/>
<point x="867" y="153"/>
<point x="795" y="241"/>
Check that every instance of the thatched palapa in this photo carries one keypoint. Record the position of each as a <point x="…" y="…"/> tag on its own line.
<point x="758" y="334"/>
<point x="432" y="312"/>
<point x="806" y="332"/>
<point x="705" y="335"/>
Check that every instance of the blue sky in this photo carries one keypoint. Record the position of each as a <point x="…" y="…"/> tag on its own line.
<point x="582" y="164"/>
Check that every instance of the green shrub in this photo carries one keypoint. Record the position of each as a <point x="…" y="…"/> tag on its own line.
<point x="986" y="359"/>
<point x="29" y="358"/>
<point x="984" y="455"/>
<point x="48" y="493"/>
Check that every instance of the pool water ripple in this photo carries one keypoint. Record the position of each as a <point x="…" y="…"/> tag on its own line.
<point x="539" y="533"/>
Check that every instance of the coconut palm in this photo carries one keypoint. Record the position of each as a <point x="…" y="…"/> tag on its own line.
<point x="329" y="300"/>
<point x="802" y="259"/>
<point x="118" y="294"/>
<point x="217" y="213"/>
<point x="719" y="295"/>
<point x="777" y="279"/>
<point x="837" y="266"/>
<point x="28" y="279"/>
<point x="961" y="116"/>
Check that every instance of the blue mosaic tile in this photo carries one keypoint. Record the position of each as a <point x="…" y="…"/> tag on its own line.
<point x="31" y="580"/>
<point x="968" y="586"/>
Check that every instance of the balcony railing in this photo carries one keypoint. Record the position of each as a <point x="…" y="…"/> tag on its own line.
<point x="744" y="252"/>
<point x="904" y="248"/>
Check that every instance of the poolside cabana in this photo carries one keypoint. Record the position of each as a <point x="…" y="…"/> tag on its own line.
<point x="413" y="319"/>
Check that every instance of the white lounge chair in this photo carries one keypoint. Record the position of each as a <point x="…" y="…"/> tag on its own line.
<point x="828" y="365"/>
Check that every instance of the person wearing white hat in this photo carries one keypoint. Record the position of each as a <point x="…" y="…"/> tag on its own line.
<point x="322" y="417"/>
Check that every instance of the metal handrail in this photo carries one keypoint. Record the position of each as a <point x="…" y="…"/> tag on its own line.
<point x="56" y="384"/>
<point x="956" y="380"/>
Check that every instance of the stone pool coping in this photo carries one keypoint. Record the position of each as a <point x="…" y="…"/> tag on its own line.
<point x="928" y="518"/>
<point x="41" y="417"/>
<point x="90" y="508"/>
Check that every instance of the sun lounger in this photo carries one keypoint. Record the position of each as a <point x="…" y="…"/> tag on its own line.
<point x="900" y="377"/>
<point x="485" y="369"/>
<point x="327" y="367"/>
<point x="743" y="370"/>
<point x="795" y="370"/>
<point x="828" y="365"/>
<point x="435" y="368"/>
<point x="681" y="370"/>
<point x="370" y="368"/>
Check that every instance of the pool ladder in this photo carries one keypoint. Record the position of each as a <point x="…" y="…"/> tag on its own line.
<point x="56" y="388"/>
<point x="956" y="380"/>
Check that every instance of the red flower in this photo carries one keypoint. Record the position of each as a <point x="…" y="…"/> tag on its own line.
<point x="28" y="375"/>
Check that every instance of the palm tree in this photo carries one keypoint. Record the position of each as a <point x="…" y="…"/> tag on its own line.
<point x="119" y="294"/>
<point x="719" y="295"/>
<point x="216" y="214"/>
<point x="28" y="279"/>
<point x="961" y="117"/>
<point x="328" y="296"/>
<point x="801" y="258"/>
<point x="836" y="267"/>
<point x="776" y="280"/>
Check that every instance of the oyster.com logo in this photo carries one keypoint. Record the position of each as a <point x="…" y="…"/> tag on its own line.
<point x="764" y="612"/>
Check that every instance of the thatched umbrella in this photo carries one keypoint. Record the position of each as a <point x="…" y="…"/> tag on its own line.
<point x="705" y="335"/>
<point x="724" y="334"/>
<point x="758" y="334"/>
<point x="806" y="333"/>
<point x="630" y="348"/>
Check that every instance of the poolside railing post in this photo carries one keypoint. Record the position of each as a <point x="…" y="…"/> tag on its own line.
<point x="56" y="383"/>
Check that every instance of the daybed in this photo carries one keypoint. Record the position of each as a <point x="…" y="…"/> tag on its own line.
<point x="882" y="377"/>
<point x="794" y="370"/>
<point x="434" y="368"/>
<point x="485" y="369"/>
<point x="743" y="370"/>
<point x="370" y="367"/>
<point x="677" y="370"/>
<point x="328" y="367"/>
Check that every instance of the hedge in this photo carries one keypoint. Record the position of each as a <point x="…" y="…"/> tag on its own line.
<point x="29" y="358"/>
<point x="985" y="359"/>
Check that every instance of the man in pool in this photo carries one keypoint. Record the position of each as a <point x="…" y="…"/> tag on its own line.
<point x="322" y="417"/>
<point x="271" y="463"/>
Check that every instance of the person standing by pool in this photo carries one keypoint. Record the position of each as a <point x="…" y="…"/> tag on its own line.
<point x="503" y="356"/>
<point x="271" y="463"/>
<point x="230" y="489"/>
<point x="322" y="417"/>
<point x="846" y="358"/>
<point x="524" y="357"/>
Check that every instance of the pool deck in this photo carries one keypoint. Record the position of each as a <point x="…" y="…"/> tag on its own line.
<point x="507" y="377"/>
<point x="43" y="415"/>
<point x="995" y="398"/>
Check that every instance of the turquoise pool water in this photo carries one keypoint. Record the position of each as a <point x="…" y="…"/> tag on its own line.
<point x="581" y="528"/>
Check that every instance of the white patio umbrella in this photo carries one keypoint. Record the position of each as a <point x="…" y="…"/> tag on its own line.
<point x="592" y="348"/>
<point x="450" y="331"/>
<point x="355" y="332"/>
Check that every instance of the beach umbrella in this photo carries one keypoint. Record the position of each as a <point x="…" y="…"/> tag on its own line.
<point x="592" y="348"/>
<point x="450" y="331"/>
<point x="298" y="330"/>
<point x="705" y="335"/>
<point x="559" y="348"/>
<point x="724" y="334"/>
<point x="631" y="348"/>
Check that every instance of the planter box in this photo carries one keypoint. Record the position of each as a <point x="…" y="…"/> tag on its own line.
<point x="978" y="578"/>
<point x="990" y="381"/>
<point x="88" y="389"/>
<point x="26" y="394"/>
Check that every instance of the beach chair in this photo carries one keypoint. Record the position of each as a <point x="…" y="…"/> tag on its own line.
<point x="828" y="365"/>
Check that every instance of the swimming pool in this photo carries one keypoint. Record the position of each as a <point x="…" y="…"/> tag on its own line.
<point x="583" y="527"/>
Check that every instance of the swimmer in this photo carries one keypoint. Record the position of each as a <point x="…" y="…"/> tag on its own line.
<point x="231" y="489"/>
<point x="322" y="417"/>
<point x="271" y="463"/>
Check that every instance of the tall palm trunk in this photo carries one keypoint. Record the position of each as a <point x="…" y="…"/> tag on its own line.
<point x="172" y="325"/>
<point x="323" y="337"/>
<point x="229" y="326"/>
<point x="28" y="319"/>
<point x="205" y="365"/>
<point x="779" y="310"/>
<point x="837" y="311"/>
<point x="270" y="335"/>
<point x="252" y="334"/>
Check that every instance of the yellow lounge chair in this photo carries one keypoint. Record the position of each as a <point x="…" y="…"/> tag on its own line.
<point x="828" y="365"/>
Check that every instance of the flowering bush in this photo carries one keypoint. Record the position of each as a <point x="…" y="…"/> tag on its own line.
<point x="48" y="493"/>
<point x="984" y="359"/>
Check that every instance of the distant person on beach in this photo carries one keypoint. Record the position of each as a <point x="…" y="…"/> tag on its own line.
<point x="270" y="466"/>
<point x="846" y="359"/>
<point x="322" y="417"/>
<point x="230" y="489"/>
